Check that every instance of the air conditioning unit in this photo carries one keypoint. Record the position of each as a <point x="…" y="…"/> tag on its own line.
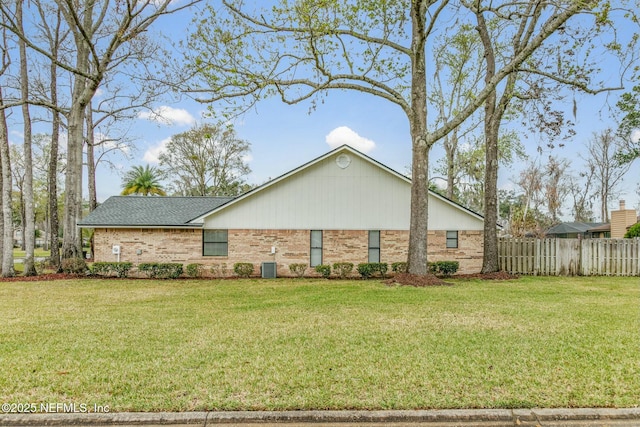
<point x="269" y="270"/>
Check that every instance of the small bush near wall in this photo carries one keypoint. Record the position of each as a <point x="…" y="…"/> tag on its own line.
<point x="74" y="265"/>
<point x="365" y="270"/>
<point x="243" y="269"/>
<point x="194" y="270"/>
<point x="399" y="267"/>
<point x="325" y="270"/>
<point x="448" y="267"/>
<point x="381" y="268"/>
<point x="368" y="269"/>
<point x="155" y="270"/>
<point x="343" y="269"/>
<point x="298" y="269"/>
<point x="445" y="268"/>
<point x="120" y="269"/>
<point x="219" y="270"/>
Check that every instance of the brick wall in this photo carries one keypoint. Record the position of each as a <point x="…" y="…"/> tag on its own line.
<point x="292" y="246"/>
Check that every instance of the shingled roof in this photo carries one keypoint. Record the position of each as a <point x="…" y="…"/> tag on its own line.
<point x="151" y="211"/>
<point x="573" y="227"/>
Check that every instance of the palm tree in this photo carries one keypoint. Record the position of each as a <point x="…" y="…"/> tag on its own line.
<point x="144" y="181"/>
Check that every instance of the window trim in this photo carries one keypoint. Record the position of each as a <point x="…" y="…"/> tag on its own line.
<point x="449" y="241"/>
<point x="315" y="249"/>
<point x="226" y="242"/>
<point x="370" y="247"/>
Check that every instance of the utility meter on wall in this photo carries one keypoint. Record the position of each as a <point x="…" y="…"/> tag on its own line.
<point x="115" y="249"/>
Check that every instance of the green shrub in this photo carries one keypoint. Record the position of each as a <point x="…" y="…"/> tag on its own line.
<point x="634" y="231"/>
<point x="366" y="269"/>
<point x="194" y="270"/>
<point x="444" y="268"/>
<point x="448" y="268"/>
<point x="343" y="269"/>
<point x="323" y="269"/>
<point x="100" y="268"/>
<point x="120" y="269"/>
<point x="219" y="270"/>
<point x="380" y="268"/>
<point x="432" y="267"/>
<point x="156" y="270"/>
<point x="148" y="268"/>
<point x="74" y="265"/>
<point x="243" y="269"/>
<point x="298" y="269"/>
<point x="399" y="267"/>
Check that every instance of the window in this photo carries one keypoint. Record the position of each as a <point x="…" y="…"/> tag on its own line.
<point x="316" y="247"/>
<point x="374" y="246"/>
<point x="215" y="243"/>
<point x="452" y="239"/>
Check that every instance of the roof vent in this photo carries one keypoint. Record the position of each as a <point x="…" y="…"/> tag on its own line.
<point x="269" y="270"/>
<point x="343" y="161"/>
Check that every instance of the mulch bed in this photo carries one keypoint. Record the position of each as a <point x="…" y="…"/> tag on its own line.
<point x="419" y="281"/>
<point x="406" y="279"/>
<point x="499" y="275"/>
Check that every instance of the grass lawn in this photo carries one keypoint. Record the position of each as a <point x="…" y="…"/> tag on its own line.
<point x="142" y="345"/>
<point x="38" y="253"/>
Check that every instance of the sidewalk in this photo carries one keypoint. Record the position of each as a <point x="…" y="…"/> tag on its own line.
<point x="435" y="418"/>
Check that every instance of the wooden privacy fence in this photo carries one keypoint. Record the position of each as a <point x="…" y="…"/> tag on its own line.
<point x="568" y="257"/>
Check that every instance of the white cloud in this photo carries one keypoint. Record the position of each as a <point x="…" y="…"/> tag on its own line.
<point x="248" y="158"/>
<point x="153" y="153"/>
<point x="343" y="135"/>
<point x="635" y="136"/>
<point x="169" y="116"/>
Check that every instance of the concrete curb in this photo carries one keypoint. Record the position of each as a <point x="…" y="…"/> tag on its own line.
<point x="445" y="418"/>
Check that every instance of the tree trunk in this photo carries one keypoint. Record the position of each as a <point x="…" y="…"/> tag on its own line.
<point x="7" y="237"/>
<point x="91" y="169"/>
<point x="492" y="119"/>
<point x="28" y="226"/>
<point x="81" y="96"/>
<point x="72" y="239"/>
<point x="52" y="174"/>
<point x="417" y="259"/>
<point x="23" y="220"/>
<point x="1" y="203"/>
<point x="91" y="163"/>
<point x="83" y="90"/>
<point x="490" y="254"/>
<point x="450" y="146"/>
<point x="52" y="184"/>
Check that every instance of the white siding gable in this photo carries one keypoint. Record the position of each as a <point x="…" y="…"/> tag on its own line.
<point x="324" y="195"/>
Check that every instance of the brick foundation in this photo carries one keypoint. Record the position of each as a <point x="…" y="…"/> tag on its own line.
<point x="292" y="246"/>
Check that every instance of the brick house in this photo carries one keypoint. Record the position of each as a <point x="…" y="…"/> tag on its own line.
<point x="340" y="207"/>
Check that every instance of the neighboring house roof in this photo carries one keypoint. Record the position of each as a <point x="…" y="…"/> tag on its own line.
<point x="574" y="227"/>
<point x="601" y="228"/>
<point x="151" y="211"/>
